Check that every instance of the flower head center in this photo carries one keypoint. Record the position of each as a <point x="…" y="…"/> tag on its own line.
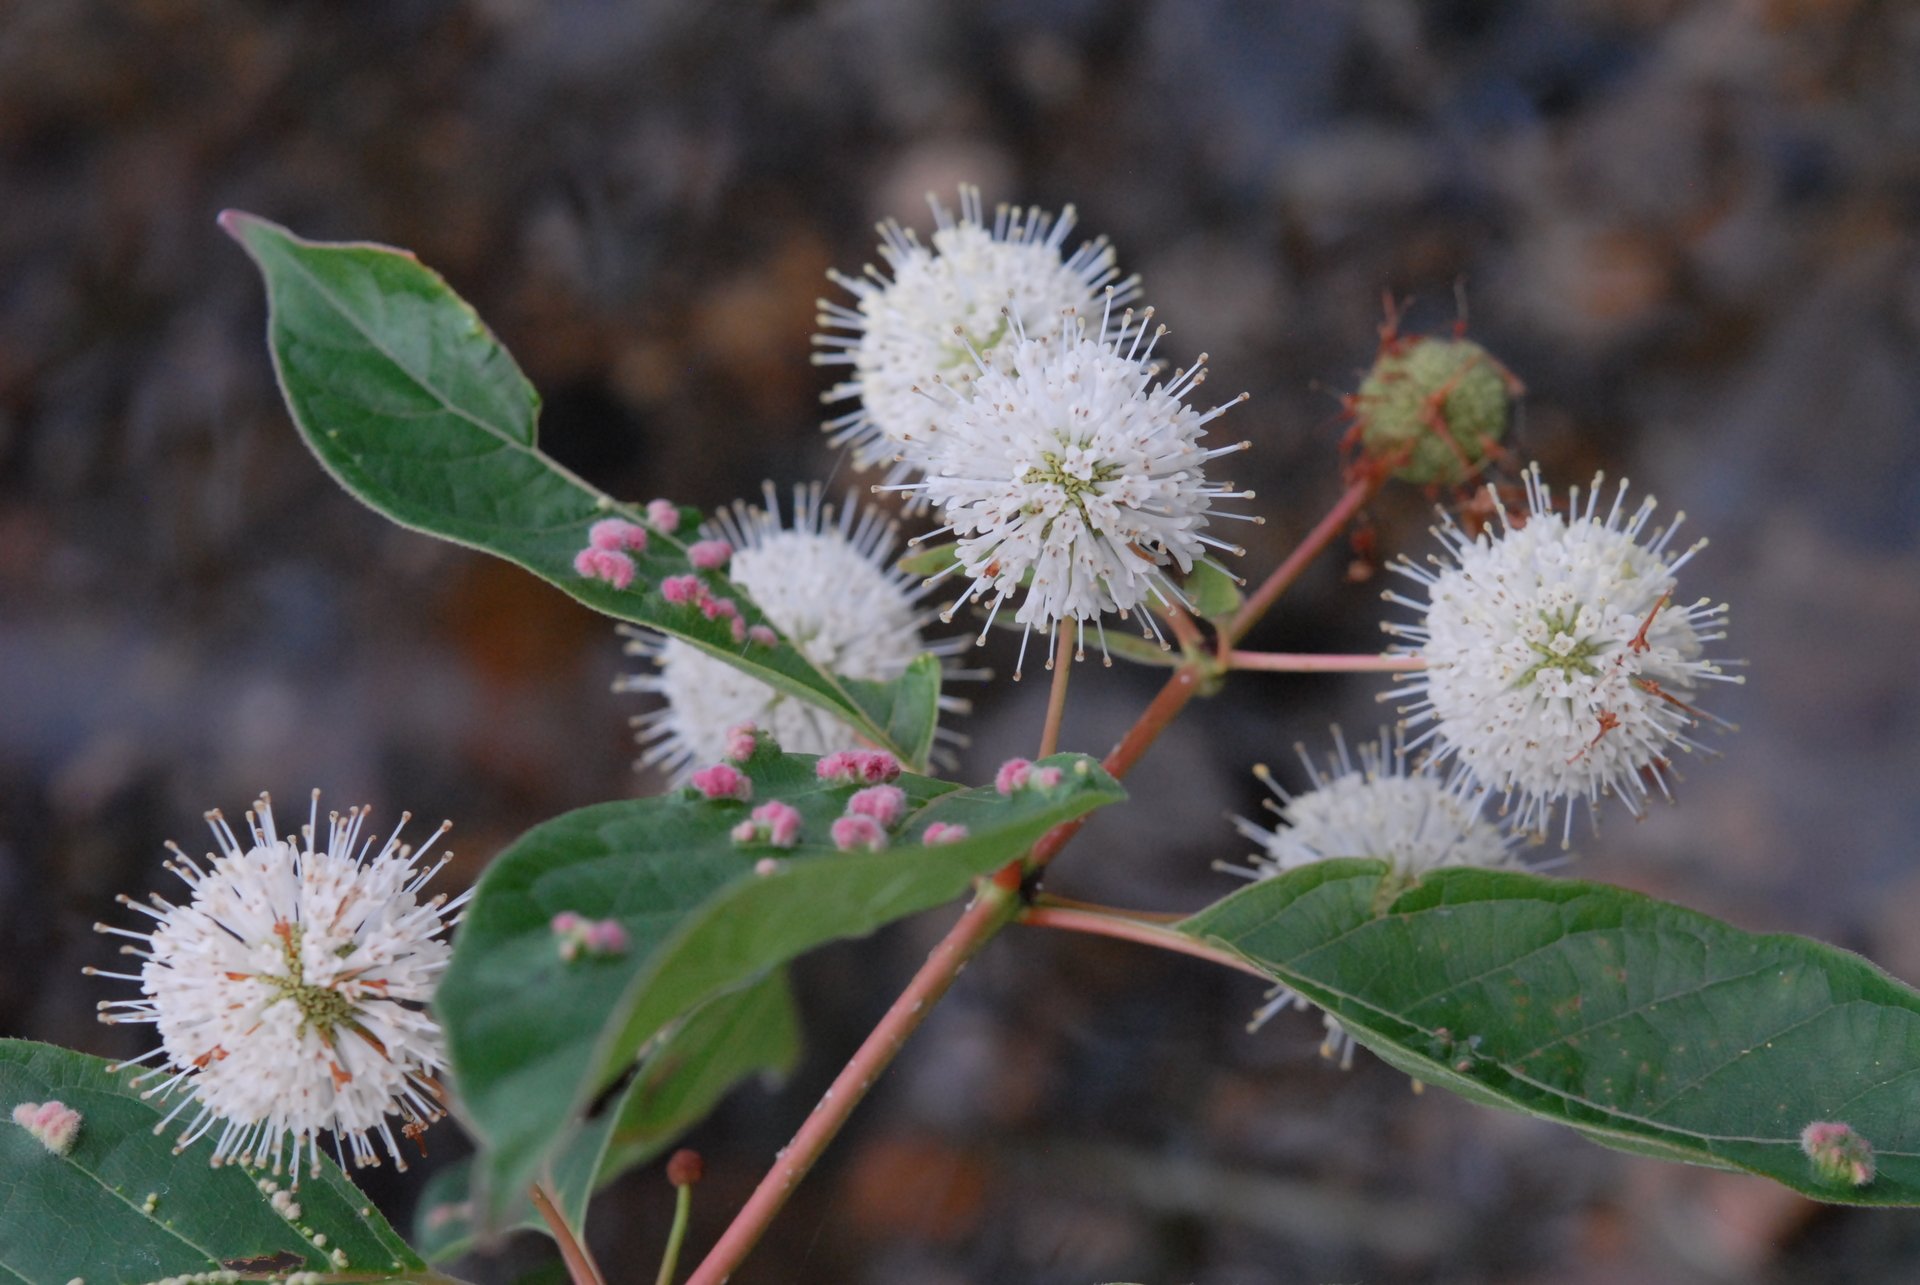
<point x="1561" y="648"/>
<point x="321" y="1007"/>
<point x="1077" y="482"/>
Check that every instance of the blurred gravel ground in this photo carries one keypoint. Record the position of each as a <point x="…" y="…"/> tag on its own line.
<point x="1689" y="228"/>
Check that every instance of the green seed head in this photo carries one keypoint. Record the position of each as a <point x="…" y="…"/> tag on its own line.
<point x="1434" y="407"/>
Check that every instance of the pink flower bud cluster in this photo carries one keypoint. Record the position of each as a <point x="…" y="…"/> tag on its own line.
<point x="664" y="515"/>
<point x="722" y="781"/>
<point x="744" y="741"/>
<point x="607" y="555"/>
<point x="710" y="555"/>
<point x="595" y="938"/>
<point x="858" y="767"/>
<point x="1022" y="774"/>
<point x="1839" y="1154"/>
<point x="774" y="823"/>
<point x="54" y="1125"/>
<point x="692" y="591"/>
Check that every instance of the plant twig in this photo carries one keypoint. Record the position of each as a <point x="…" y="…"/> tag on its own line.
<point x="1186" y="631"/>
<point x="1285" y="662"/>
<point x="677" y="1235"/>
<point x="1057" y="693"/>
<point x="1125" y="927"/>
<point x="990" y="912"/>
<point x="581" y="1269"/>
<point x="1257" y="603"/>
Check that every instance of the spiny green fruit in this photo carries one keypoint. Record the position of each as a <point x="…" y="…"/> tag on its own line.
<point x="1412" y="382"/>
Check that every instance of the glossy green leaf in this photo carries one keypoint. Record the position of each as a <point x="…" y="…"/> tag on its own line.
<point x="930" y="559"/>
<point x="1644" y="1025"/>
<point x="416" y="409"/>
<point x="750" y="1032"/>
<point x="534" y="1038"/>
<point x="121" y="1206"/>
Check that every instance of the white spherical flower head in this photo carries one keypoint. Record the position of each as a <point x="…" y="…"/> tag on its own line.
<point x="290" y="990"/>
<point x="1558" y="664"/>
<point x="1075" y="478"/>
<point x="919" y="317"/>
<point x="1383" y="808"/>
<point x="828" y="583"/>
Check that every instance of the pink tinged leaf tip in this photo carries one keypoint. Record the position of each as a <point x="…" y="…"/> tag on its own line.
<point x="1840" y="1156"/>
<point x="858" y="834"/>
<point x="576" y="935"/>
<point x="722" y="781"/>
<point x="943" y="832"/>
<point x="1013" y="775"/>
<point x="53" y="1124"/>
<point x="664" y="514"/>
<point x="743" y="740"/>
<point x="614" y="534"/>
<point x="763" y="635"/>
<point x="683" y="591"/>
<point x="709" y="555"/>
<point x="884" y="803"/>
<point x="610" y="565"/>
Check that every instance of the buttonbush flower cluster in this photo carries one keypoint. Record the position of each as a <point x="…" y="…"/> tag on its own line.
<point x="1011" y="397"/>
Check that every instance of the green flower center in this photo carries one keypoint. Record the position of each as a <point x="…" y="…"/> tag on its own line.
<point x="321" y="1007"/>
<point x="954" y="354"/>
<point x="1053" y="471"/>
<point x="1561" y="651"/>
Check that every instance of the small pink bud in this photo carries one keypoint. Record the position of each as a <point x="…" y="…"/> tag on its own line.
<point x="1839" y="1154"/>
<point x="782" y="822"/>
<point x="839" y="767"/>
<point x="765" y="866"/>
<point x="54" y="1125"/>
<point x="763" y="635"/>
<point x="577" y="935"/>
<point x="878" y="767"/>
<point x="858" y="833"/>
<point x="607" y="937"/>
<point x="742" y="740"/>
<point x="664" y="514"/>
<point x="709" y="555"/>
<point x="722" y="781"/>
<point x="610" y="565"/>
<point x="738" y="628"/>
<point x="1046" y="778"/>
<point x="941" y="832"/>
<point x="884" y="803"/>
<point x="744" y="833"/>
<point x="1013" y="775"/>
<point x="683" y="590"/>
<point x="618" y="533"/>
<point x="715" y="608"/>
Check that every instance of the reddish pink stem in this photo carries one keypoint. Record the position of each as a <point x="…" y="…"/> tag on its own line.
<point x="989" y="913"/>
<point x="1257" y="603"/>
<point x="1302" y="663"/>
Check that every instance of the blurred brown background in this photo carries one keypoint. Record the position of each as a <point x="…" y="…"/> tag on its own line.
<point x="1688" y="226"/>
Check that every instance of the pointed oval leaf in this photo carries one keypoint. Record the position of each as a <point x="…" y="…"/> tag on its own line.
<point x="533" y="1038"/>
<point x="120" y="1205"/>
<point x="754" y="1031"/>
<point x="414" y="407"/>
<point x="1646" y="1026"/>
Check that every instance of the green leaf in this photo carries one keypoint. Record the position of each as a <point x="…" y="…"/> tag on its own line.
<point x="1644" y="1025"/>
<point x="121" y="1206"/>
<point x="1213" y="593"/>
<point x="930" y="559"/>
<point x="533" y="1038"/>
<point x="748" y="1032"/>
<point x="416" y="409"/>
